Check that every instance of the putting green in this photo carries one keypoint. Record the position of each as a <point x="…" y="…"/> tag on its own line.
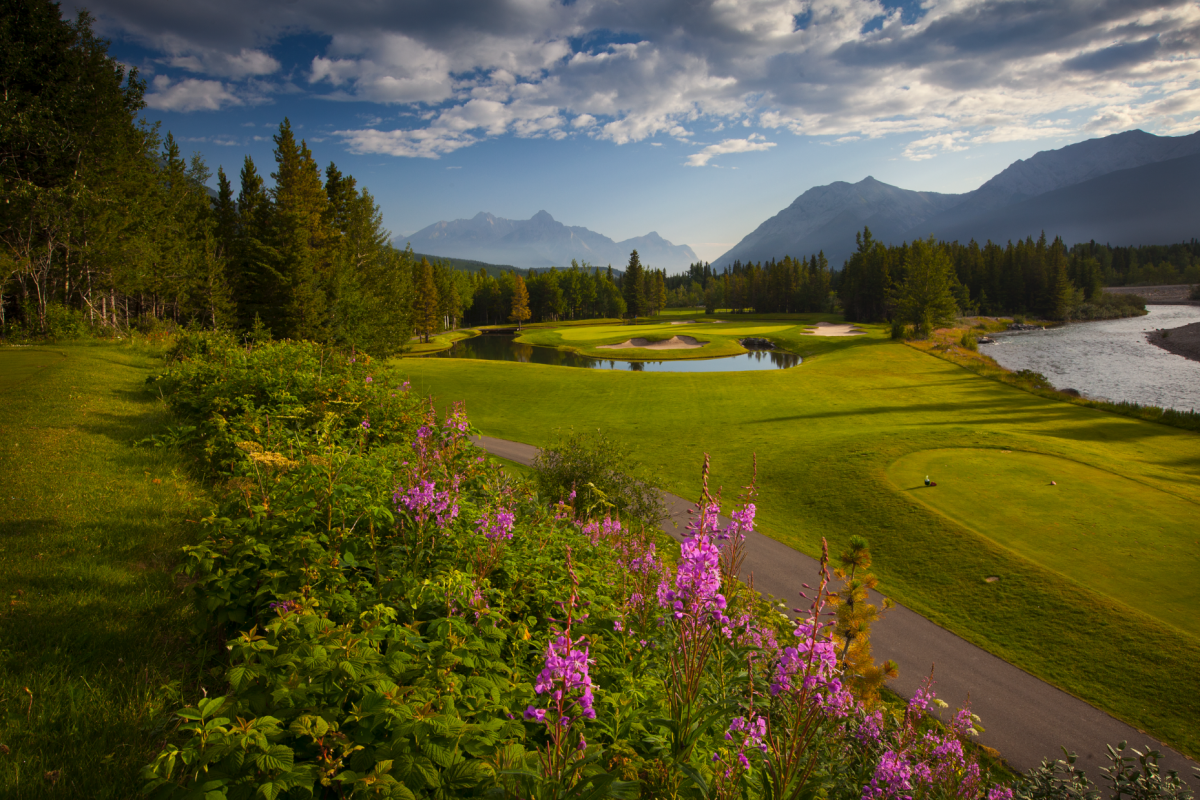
<point x="1135" y="543"/>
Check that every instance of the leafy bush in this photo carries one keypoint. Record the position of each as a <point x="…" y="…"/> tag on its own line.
<point x="1129" y="776"/>
<point x="598" y="474"/>
<point x="968" y="340"/>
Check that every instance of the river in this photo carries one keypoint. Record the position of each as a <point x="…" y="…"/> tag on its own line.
<point x="1109" y="360"/>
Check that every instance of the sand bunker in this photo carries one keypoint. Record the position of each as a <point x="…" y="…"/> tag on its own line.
<point x="701" y="322"/>
<point x="834" y="329"/>
<point x="674" y="343"/>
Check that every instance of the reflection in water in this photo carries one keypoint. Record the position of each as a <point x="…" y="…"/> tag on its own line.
<point x="499" y="347"/>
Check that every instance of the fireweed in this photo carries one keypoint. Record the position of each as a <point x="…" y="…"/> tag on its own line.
<point x="918" y="763"/>
<point x="565" y="688"/>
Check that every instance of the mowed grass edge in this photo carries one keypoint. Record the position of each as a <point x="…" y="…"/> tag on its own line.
<point x="825" y="434"/>
<point x="96" y="644"/>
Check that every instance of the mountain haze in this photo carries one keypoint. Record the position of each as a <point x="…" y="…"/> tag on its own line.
<point x="541" y="241"/>
<point x="1060" y="191"/>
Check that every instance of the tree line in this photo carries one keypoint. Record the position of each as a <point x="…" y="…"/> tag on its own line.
<point x="1040" y="277"/>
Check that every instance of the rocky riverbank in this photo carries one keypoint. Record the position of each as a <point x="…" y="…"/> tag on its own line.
<point x="1183" y="341"/>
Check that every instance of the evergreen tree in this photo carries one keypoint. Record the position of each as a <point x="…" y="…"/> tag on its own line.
<point x="632" y="288"/>
<point x="427" y="301"/>
<point x="225" y="216"/>
<point x="926" y="298"/>
<point x="253" y="277"/>
<point x="520" y="301"/>
<point x="1063" y="296"/>
<point x="852" y="626"/>
<point x="300" y="235"/>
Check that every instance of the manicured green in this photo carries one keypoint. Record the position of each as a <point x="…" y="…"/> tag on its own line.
<point x="720" y="338"/>
<point x="95" y="630"/>
<point x="826" y="433"/>
<point x="1137" y="544"/>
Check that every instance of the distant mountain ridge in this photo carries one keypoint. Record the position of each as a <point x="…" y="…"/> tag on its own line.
<point x="540" y="242"/>
<point x="1097" y="189"/>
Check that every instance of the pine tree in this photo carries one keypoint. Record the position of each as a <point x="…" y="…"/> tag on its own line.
<point x="520" y="301"/>
<point x="632" y="288"/>
<point x="427" y="301"/>
<point x="852" y="627"/>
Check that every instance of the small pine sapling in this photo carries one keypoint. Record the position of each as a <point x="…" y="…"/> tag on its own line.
<point x="852" y="629"/>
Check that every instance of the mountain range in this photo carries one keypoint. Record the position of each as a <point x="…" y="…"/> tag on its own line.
<point x="1126" y="189"/>
<point x="541" y="241"/>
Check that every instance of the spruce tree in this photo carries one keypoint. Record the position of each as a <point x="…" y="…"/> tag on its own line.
<point x="632" y="287"/>
<point x="300" y="235"/>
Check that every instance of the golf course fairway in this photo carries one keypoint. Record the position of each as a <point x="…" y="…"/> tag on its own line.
<point x="1134" y="543"/>
<point x="826" y="434"/>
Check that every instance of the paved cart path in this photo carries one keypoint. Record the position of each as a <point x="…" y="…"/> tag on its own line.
<point x="1025" y="719"/>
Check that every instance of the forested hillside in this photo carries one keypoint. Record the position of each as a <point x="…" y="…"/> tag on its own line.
<point x="108" y="227"/>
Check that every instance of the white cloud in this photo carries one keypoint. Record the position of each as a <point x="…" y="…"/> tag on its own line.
<point x="190" y="94"/>
<point x="754" y="143"/>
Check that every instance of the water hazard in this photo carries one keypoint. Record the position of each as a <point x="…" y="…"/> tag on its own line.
<point x="498" y="347"/>
<point x="1110" y="360"/>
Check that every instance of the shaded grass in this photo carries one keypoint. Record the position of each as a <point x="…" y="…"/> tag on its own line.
<point x="94" y="629"/>
<point x="825" y="434"/>
<point x="442" y="341"/>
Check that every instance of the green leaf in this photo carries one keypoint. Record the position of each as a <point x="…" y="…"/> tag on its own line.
<point x="277" y="757"/>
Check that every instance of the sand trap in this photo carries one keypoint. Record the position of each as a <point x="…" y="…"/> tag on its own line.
<point x="674" y="343"/>
<point x="834" y="329"/>
<point x="701" y="322"/>
<point x="685" y="322"/>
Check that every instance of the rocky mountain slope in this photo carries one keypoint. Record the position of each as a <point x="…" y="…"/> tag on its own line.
<point x="1054" y="190"/>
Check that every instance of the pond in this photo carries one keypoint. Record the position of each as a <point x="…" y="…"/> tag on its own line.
<point x="1109" y="360"/>
<point x="499" y="347"/>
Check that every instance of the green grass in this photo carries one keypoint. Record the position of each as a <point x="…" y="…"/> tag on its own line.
<point x="1136" y="544"/>
<point x="826" y="434"/>
<point x="95" y="639"/>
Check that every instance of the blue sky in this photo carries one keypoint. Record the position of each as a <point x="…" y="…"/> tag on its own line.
<point x="697" y="120"/>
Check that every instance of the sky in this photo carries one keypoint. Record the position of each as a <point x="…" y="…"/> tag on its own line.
<point x="698" y="120"/>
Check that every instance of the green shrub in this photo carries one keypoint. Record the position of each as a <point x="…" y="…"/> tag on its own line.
<point x="968" y="341"/>
<point x="1032" y="379"/>
<point x="595" y="473"/>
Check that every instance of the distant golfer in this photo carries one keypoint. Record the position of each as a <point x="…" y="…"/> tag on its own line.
<point x="927" y="481"/>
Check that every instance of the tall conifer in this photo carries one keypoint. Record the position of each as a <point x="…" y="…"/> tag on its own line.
<point x="632" y="286"/>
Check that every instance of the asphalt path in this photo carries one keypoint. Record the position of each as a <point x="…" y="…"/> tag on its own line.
<point x="1025" y="719"/>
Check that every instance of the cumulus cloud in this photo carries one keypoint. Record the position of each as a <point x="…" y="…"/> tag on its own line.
<point x="190" y="94"/>
<point x="949" y="74"/>
<point x="754" y="143"/>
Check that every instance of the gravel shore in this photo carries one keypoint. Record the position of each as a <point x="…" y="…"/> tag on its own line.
<point x="1183" y="341"/>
